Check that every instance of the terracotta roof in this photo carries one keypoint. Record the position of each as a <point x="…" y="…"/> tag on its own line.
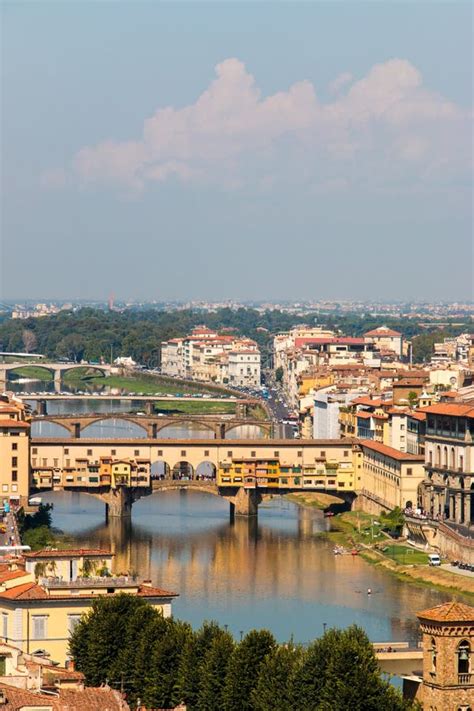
<point x="146" y="591"/>
<point x="391" y="452"/>
<point x="409" y="382"/>
<point x="27" y="591"/>
<point x="364" y="415"/>
<point x="68" y="553"/>
<point x="19" y="698"/>
<point x="85" y="699"/>
<point x="449" y="408"/>
<point x="449" y="612"/>
<point x="421" y="416"/>
<point x="382" y="331"/>
<point x="11" y="575"/>
<point x="14" y="424"/>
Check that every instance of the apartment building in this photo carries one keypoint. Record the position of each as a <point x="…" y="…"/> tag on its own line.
<point x="210" y="357"/>
<point x="14" y="451"/>
<point x="385" y="339"/>
<point x="390" y="478"/>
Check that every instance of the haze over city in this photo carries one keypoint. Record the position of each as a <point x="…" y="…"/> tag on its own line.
<point x="244" y="151"/>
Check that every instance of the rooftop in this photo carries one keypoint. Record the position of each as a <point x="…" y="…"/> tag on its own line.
<point x="391" y="452"/>
<point x="450" y="408"/>
<point x="449" y="612"/>
<point x="69" y="553"/>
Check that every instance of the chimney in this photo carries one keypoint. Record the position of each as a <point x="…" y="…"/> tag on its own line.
<point x="71" y="665"/>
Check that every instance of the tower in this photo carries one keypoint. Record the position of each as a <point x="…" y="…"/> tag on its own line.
<point x="448" y="657"/>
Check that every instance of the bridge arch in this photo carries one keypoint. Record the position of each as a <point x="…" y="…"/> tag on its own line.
<point x="49" y="428"/>
<point x="113" y="427"/>
<point x="202" y="429"/>
<point x="86" y="367"/>
<point x="206" y="471"/>
<point x="14" y="368"/>
<point x="182" y="470"/>
<point x="160" y="470"/>
<point x="253" y="431"/>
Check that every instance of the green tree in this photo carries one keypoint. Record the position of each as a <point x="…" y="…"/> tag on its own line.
<point x="243" y="670"/>
<point x="196" y="648"/>
<point x="214" y="671"/>
<point x="340" y="672"/>
<point x="275" y="686"/>
<point x="279" y="374"/>
<point x="99" y="637"/>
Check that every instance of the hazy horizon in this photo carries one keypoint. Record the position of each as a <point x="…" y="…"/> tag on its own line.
<point x="237" y="151"/>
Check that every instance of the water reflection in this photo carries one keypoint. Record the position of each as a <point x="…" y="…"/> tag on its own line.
<point x="275" y="572"/>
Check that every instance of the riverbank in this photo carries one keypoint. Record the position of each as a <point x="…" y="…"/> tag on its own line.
<point x="355" y="529"/>
<point x="313" y="500"/>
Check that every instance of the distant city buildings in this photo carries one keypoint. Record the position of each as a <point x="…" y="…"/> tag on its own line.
<point x="210" y="357"/>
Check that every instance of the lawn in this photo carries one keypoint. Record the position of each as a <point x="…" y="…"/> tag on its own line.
<point x="198" y="407"/>
<point x="405" y="555"/>
<point x="148" y="385"/>
<point x="32" y="371"/>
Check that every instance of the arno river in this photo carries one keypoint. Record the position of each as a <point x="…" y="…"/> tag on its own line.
<point x="275" y="573"/>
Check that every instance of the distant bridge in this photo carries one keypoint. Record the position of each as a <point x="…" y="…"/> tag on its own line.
<point x="153" y="424"/>
<point x="57" y="370"/>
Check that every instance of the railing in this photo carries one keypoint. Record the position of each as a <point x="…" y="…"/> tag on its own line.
<point x="465" y="678"/>
<point x="92" y="582"/>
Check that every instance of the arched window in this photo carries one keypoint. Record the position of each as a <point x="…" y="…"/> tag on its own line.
<point x="453" y="458"/>
<point x="433" y="655"/>
<point x="445" y="457"/>
<point x="464" y="657"/>
<point x="438" y="455"/>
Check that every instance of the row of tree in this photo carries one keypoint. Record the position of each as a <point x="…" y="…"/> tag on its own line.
<point x="92" y="334"/>
<point x="163" y="662"/>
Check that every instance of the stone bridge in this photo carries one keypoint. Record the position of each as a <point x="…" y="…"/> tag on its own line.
<point x="153" y="424"/>
<point x="57" y="370"/>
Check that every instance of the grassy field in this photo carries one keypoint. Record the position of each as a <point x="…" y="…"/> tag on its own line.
<point x="313" y="499"/>
<point x="147" y="385"/>
<point x="198" y="407"/>
<point x="32" y="371"/>
<point x="405" y="555"/>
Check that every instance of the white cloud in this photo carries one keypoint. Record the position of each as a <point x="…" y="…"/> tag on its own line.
<point x="233" y="135"/>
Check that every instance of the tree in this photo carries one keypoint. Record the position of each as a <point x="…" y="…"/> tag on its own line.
<point x="243" y="670"/>
<point x="29" y="340"/>
<point x="279" y="374"/>
<point x="99" y="636"/>
<point x="275" y="687"/>
<point x="340" y="672"/>
<point x="214" y="671"/>
<point x="196" y="649"/>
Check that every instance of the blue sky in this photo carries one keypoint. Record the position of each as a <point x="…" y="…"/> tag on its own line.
<point x="237" y="150"/>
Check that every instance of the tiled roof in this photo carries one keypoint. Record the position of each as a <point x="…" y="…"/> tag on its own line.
<point x="11" y="575"/>
<point x="27" y="591"/>
<point x="68" y="553"/>
<point x="86" y="699"/>
<point x="19" y="698"/>
<point x="449" y="612"/>
<point x="449" y="408"/>
<point x="382" y="331"/>
<point x="32" y="591"/>
<point x="390" y="451"/>
<point x="4" y="422"/>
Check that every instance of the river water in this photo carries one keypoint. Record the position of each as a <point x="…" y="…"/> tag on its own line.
<point x="276" y="572"/>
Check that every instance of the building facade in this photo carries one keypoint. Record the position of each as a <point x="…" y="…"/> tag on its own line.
<point x="14" y="452"/>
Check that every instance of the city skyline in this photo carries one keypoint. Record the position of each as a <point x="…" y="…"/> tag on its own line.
<point x="233" y="153"/>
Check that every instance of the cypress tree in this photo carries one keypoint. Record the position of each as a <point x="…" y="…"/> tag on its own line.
<point x="275" y="686"/>
<point x="214" y="671"/>
<point x="243" y="670"/>
<point x="190" y="668"/>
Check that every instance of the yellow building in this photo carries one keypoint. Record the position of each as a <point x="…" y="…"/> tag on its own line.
<point x="42" y="617"/>
<point x="389" y="478"/>
<point x="68" y="564"/>
<point x="14" y="452"/>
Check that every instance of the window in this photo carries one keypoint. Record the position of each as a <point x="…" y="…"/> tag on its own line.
<point x="464" y="655"/>
<point x="160" y="452"/>
<point x="5" y="625"/>
<point x="34" y="450"/>
<point x="299" y="453"/>
<point x="113" y="452"/>
<point x="183" y="452"/>
<point x="14" y="475"/>
<point x="4" y="487"/>
<point x="66" y="451"/>
<point x="89" y="452"/>
<point x="206" y="452"/>
<point x="136" y="452"/>
<point x="229" y="454"/>
<point x="72" y="622"/>
<point x="409" y="471"/>
<point x="38" y="626"/>
<point x="346" y="452"/>
<point x="253" y="454"/>
<point x="433" y="656"/>
<point x="3" y="665"/>
<point x="276" y="454"/>
<point x="14" y="446"/>
<point x="323" y="454"/>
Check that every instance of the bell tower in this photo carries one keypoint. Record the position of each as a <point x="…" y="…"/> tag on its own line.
<point x="448" y="657"/>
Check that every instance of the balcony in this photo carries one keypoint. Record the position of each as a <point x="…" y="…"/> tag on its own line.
<point x="465" y="679"/>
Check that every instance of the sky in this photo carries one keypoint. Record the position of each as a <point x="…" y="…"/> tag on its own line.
<point x="236" y="150"/>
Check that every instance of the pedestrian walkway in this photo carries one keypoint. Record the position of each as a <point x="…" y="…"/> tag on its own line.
<point x="454" y="569"/>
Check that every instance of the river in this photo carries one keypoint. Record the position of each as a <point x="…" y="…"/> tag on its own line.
<point x="275" y="572"/>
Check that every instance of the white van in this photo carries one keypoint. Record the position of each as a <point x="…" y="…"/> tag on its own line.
<point x="434" y="559"/>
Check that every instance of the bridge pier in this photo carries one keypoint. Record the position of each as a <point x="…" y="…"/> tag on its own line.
<point x="42" y="407"/>
<point x="118" y="502"/>
<point x="245" y="502"/>
<point x="57" y="381"/>
<point x="221" y="430"/>
<point x="77" y="429"/>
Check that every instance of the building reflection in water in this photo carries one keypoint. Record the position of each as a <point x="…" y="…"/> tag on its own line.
<point x="275" y="571"/>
